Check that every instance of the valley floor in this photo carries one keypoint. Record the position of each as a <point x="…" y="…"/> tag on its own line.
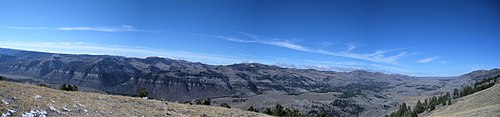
<point x="18" y="99"/>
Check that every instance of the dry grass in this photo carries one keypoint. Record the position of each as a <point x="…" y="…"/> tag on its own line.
<point x="485" y="103"/>
<point x="21" y="98"/>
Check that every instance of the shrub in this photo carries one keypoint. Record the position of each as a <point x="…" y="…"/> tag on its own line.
<point x="202" y="102"/>
<point x="225" y="105"/>
<point x="142" y="92"/>
<point x="65" y="87"/>
<point x="43" y="85"/>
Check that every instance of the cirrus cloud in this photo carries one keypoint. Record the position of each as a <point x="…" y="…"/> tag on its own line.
<point x="122" y="28"/>
<point x="426" y="60"/>
<point x="379" y="56"/>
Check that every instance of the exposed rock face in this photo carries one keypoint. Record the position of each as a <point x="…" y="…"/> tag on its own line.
<point x="177" y="80"/>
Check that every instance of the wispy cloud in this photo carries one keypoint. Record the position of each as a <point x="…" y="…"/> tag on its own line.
<point x="343" y="69"/>
<point x="426" y="60"/>
<point x="351" y="46"/>
<point x="314" y="61"/>
<point x="122" y="28"/>
<point x="378" y="56"/>
<point x="29" y="28"/>
<point x="285" y="65"/>
<point x="130" y="51"/>
<point x="351" y="66"/>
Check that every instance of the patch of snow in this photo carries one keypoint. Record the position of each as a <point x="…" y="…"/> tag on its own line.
<point x="144" y="97"/>
<point x="85" y="110"/>
<point x="66" y="109"/>
<point x="5" y="114"/>
<point x="53" y="108"/>
<point x="9" y="113"/>
<point x="35" y="113"/>
<point x="5" y="102"/>
<point x="80" y="104"/>
<point x="37" y="97"/>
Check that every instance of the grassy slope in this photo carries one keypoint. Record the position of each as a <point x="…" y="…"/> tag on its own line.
<point x="21" y="98"/>
<point x="485" y="103"/>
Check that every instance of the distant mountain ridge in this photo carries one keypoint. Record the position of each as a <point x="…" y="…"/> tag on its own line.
<point x="119" y="74"/>
<point x="178" y="80"/>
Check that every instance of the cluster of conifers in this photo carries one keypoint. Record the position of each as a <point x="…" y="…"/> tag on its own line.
<point x="431" y="103"/>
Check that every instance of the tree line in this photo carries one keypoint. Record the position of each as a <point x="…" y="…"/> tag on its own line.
<point x="279" y="110"/>
<point x="478" y="86"/>
<point x="430" y="104"/>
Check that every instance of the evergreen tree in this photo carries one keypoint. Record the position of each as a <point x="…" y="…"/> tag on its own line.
<point x="419" y="108"/>
<point x="322" y="114"/>
<point x="426" y="104"/>
<point x="455" y="94"/>
<point x="75" y="88"/>
<point x="292" y="112"/>
<point x="142" y="92"/>
<point x="268" y="111"/>
<point x="252" y="109"/>
<point x="408" y="111"/>
<point x="63" y="87"/>
<point x="278" y="110"/>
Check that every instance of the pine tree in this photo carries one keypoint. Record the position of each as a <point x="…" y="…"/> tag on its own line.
<point x="278" y="110"/>
<point x="408" y="111"/>
<point x="402" y="109"/>
<point x="142" y="92"/>
<point x="63" y="87"/>
<point x="268" y="111"/>
<point x="252" y="109"/>
<point x="426" y="104"/>
<point x="455" y="94"/>
<point x="419" y="108"/>
<point x="75" y="88"/>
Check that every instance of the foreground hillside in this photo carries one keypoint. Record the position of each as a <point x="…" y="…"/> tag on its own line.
<point x="485" y="103"/>
<point x="18" y="99"/>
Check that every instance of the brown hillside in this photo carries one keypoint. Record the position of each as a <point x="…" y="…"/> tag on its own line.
<point x="485" y="103"/>
<point x="23" y="98"/>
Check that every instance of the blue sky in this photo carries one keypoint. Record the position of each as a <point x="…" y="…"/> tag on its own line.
<point x="413" y="37"/>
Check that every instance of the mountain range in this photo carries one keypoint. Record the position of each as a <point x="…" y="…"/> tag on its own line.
<point x="240" y="85"/>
